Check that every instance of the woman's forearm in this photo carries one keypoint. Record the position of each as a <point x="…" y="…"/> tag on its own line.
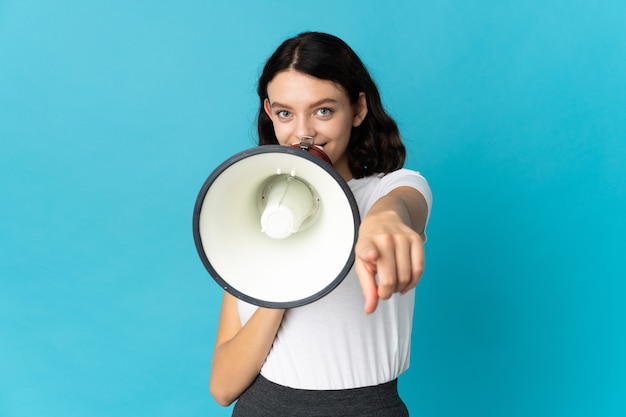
<point x="238" y="360"/>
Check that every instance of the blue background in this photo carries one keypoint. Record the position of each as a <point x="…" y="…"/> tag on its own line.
<point x="112" y="115"/>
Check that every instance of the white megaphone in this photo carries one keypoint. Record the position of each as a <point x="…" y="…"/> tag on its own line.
<point x="276" y="225"/>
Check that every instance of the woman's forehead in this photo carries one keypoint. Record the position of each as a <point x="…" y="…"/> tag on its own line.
<point x="297" y="87"/>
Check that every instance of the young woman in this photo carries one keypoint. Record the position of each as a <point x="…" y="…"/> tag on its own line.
<point x="340" y="355"/>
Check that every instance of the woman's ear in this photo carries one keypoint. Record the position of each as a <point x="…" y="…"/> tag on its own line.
<point x="267" y="107"/>
<point x="360" y="110"/>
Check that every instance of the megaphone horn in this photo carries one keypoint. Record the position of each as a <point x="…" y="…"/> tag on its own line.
<point x="262" y="212"/>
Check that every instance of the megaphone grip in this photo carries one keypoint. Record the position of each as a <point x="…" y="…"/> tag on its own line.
<point x="314" y="150"/>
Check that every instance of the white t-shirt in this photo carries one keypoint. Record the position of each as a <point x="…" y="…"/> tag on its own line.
<point x="331" y="343"/>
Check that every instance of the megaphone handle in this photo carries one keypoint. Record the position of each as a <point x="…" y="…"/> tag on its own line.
<point x="306" y="142"/>
<point x="307" y="146"/>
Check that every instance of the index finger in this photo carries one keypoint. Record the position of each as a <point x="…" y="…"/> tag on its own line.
<point x="366" y="273"/>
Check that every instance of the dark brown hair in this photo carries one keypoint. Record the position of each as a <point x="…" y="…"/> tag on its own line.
<point x="375" y="146"/>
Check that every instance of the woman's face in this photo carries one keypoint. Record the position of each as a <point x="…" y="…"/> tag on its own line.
<point x="301" y="105"/>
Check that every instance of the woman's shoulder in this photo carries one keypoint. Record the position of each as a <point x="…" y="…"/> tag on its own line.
<point x="407" y="178"/>
<point x="369" y="189"/>
<point x="388" y="181"/>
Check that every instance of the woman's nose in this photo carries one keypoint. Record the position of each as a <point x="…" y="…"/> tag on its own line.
<point x="304" y="128"/>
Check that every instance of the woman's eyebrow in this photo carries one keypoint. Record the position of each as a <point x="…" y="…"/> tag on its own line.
<point x="315" y="104"/>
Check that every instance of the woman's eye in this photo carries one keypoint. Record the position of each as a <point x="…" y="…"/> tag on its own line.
<point x="283" y="113"/>
<point x="325" y="111"/>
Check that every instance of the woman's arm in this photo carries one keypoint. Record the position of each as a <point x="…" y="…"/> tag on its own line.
<point x="391" y="245"/>
<point x="240" y="351"/>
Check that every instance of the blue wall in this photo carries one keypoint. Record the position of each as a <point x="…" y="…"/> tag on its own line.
<point x="112" y="114"/>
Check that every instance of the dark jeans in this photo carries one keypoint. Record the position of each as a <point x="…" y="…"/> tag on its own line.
<point x="266" y="399"/>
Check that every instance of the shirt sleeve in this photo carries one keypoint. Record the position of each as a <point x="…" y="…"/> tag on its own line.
<point x="406" y="178"/>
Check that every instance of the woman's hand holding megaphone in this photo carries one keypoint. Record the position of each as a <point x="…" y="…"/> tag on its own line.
<point x="390" y="246"/>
